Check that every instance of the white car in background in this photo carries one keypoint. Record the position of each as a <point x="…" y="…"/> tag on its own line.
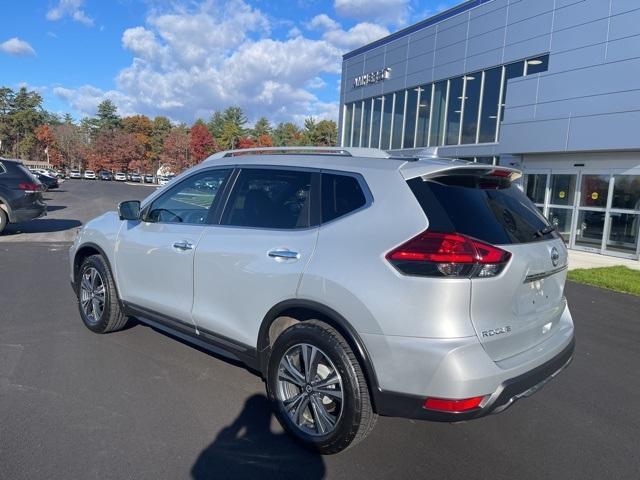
<point x="120" y="177"/>
<point x="89" y="175"/>
<point x="75" y="173"/>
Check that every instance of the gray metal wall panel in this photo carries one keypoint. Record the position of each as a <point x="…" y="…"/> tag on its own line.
<point x="588" y="100"/>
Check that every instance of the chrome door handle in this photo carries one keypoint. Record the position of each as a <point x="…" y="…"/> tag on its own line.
<point x="183" y="245"/>
<point x="284" y="254"/>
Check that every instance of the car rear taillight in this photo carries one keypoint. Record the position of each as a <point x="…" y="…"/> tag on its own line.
<point x="436" y="254"/>
<point x="29" y="187"/>
<point x="453" y="405"/>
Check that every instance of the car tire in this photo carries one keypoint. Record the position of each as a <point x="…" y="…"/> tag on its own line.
<point x="96" y="288"/>
<point x="4" y="219"/>
<point x="325" y="414"/>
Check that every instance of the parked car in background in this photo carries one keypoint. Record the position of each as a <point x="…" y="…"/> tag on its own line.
<point x="49" y="183"/>
<point x="106" y="176"/>
<point x="20" y="194"/>
<point x="75" y="173"/>
<point x="357" y="284"/>
<point x="148" y="178"/>
<point x="163" y="180"/>
<point x="89" y="175"/>
<point x="120" y="177"/>
<point x="136" y="177"/>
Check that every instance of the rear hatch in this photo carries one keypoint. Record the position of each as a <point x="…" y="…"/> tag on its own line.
<point x="519" y="304"/>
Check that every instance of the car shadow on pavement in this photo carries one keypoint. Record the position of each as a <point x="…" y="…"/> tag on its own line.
<point x="249" y="449"/>
<point x="41" y="225"/>
<point x="55" y="208"/>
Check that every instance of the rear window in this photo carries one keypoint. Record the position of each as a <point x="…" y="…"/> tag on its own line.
<point x="490" y="209"/>
<point x="341" y="194"/>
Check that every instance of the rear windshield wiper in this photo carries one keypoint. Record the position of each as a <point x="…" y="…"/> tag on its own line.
<point x="545" y="231"/>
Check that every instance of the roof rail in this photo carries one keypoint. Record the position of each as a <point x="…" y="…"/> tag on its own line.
<point x="341" y="151"/>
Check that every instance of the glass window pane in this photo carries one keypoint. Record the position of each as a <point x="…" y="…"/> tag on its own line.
<point x="398" y="117"/>
<point x="189" y="201"/>
<point x="424" y="108"/>
<point x="593" y="191"/>
<point x="348" y="115"/>
<point x="454" y="111"/>
<point x="410" y="118"/>
<point x="266" y="198"/>
<point x="437" y="121"/>
<point x="513" y="70"/>
<point x="357" y="118"/>
<point x="490" y="97"/>
<point x="486" y="160"/>
<point x="536" y="186"/>
<point x="341" y="194"/>
<point x="376" y="121"/>
<point x="563" y="189"/>
<point x="626" y="192"/>
<point x="589" y="229"/>
<point x="471" y="107"/>
<point x="623" y="232"/>
<point x="561" y="219"/>
<point x="366" y="123"/>
<point x="386" y="121"/>
<point x="538" y="64"/>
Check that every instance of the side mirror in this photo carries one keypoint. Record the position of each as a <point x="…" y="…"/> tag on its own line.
<point x="129" y="210"/>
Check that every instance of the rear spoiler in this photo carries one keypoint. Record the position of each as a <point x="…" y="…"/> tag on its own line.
<point x="472" y="169"/>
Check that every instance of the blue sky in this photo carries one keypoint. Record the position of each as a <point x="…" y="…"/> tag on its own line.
<point x="185" y="58"/>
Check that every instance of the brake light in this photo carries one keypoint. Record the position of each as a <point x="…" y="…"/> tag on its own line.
<point x="29" y="187"/>
<point x="451" y="405"/>
<point x="448" y="254"/>
<point x="501" y="173"/>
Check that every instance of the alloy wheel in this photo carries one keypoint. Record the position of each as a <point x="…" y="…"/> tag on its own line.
<point x="92" y="294"/>
<point x="310" y="389"/>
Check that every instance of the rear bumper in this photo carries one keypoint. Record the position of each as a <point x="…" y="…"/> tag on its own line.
<point x="27" y="214"/>
<point x="524" y="385"/>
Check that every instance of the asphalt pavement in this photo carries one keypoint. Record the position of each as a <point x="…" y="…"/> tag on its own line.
<point x="140" y="404"/>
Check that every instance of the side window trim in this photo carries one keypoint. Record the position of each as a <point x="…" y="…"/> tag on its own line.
<point x="368" y="196"/>
<point x="314" y="196"/>
<point x="212" y="209"/>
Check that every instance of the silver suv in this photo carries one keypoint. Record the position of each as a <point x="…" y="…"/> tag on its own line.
<point x="356" y="284"/>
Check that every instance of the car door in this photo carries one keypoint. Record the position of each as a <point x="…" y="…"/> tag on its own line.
<point x="154" y="256"/>
<point x="256" y="256"/>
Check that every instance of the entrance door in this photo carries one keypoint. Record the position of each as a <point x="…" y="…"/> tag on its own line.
<point x="623" y="217"/>
<point x="591" y="211"/>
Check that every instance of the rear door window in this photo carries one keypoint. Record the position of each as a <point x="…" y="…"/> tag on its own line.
<point x="490" y="209"/>
<point x="270" y="198"/>
<point x="341" y="194"/>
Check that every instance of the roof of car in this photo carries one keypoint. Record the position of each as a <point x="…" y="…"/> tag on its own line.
<point x="342" y="158"/>
<point x="12" y="160"/>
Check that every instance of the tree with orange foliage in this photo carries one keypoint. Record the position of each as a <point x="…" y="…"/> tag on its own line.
<point x="48" y="141"/>
<point x="176" y="155"/>
<point x="201" y="142"/>
<point x="115" y="150"/>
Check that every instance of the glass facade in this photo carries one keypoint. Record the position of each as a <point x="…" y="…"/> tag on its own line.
<point x="424" y="113"/>
<point x="457" y="111"/>
<point x="410" y="122"/>
<point x="366" y="123"/>
<point x="594" y="211"/>
<point x="398" y="117"/>
<point x="472" y="88"/>
<point x="439" y="109"/>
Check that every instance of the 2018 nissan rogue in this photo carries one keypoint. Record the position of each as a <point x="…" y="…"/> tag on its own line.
<point x="355" y="283"/>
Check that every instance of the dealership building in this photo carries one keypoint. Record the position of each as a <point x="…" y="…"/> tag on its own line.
<point x="548" y="86"/>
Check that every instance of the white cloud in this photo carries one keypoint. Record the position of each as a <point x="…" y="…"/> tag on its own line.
<point x="72" y="9"/>
<point x="17" y="47"/>
<point x="189" y="62"/>
<point x="357" y="36"/>
<point x="383" y="11"/>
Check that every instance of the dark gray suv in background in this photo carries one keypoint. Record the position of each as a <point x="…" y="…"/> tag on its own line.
<point x="20" y="194"/>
